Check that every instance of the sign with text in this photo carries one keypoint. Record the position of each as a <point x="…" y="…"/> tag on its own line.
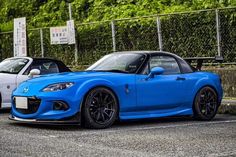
<point x="71" y="32"/>
<point x="20" y="41"/>
<point x="58" y="35"/>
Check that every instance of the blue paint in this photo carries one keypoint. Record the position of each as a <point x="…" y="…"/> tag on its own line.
<point x="138" y="97"/>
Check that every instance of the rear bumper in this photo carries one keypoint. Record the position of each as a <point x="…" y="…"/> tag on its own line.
<point x="75" y="120"/>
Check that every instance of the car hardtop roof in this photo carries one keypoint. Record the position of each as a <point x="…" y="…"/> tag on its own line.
<point x="150" y="52"/>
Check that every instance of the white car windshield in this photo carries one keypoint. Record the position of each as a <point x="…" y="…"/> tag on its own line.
<point x="13" y="65"/>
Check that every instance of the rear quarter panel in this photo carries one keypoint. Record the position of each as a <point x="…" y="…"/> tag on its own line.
<point x="207" y="79"/>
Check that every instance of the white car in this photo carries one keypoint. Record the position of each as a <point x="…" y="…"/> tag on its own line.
<point x="15" y="70"/>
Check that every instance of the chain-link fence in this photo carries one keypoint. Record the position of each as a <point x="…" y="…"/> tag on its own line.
<point x="200" y="33"/>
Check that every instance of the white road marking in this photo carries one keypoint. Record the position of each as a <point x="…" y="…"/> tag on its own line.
<point x="158" y="127"/>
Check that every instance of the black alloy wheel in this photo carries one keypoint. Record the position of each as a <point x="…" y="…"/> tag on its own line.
<point x="206" y="104"/>
<point x="100" y="108"/>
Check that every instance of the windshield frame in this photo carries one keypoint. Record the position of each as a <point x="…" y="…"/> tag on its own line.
<point x="137" y="71"/>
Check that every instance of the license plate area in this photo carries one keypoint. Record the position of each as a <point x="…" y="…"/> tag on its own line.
<point x="21" y="102"/>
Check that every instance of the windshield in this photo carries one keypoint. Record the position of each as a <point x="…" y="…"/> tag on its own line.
<point x="119" y="62"/>
<point x="13" y="66"/>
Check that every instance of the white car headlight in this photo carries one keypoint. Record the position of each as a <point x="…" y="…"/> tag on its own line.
<point x="58" y="87"/>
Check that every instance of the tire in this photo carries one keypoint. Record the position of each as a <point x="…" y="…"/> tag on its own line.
<point x="205" y="104"/>
<point x="100" y="108"/>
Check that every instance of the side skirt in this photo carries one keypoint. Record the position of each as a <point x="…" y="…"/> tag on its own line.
<point x="155" y="114"/>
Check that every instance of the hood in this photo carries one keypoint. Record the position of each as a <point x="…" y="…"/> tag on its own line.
<point x="70" y="76"/>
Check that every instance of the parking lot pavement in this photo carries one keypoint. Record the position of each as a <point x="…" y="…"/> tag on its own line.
<point x="160" y="137"/>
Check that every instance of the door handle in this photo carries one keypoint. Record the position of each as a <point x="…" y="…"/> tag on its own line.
<point x="180" y="78"/>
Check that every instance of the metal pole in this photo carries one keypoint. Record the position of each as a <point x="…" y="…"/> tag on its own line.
<point x="76" y="47"/>
<point x="159" y="33"/>
<point x="113" y="35"/>
<point x="218" y="32"/>
<point x="41" y="39"/>
<point x="70" y="12"/>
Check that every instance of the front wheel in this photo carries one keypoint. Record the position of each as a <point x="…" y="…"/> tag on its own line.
<point x="100" y="108"/>
<point x="206" y="104"/>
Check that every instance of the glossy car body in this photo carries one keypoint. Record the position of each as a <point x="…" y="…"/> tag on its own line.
<point x="15" y="70"/>
<point x="138" y="94"/>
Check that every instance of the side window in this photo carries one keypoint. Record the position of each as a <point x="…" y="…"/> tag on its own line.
<point x="167" y="62"/>
<point x="45" y="67"/>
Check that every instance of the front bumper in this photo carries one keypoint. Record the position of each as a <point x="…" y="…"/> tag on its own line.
<point x="75" y="120"/>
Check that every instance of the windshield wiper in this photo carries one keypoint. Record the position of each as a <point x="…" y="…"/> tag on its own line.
<point x="4" y="72"/>
<point x="116" y="70"/>
<point x="112" y="70"/>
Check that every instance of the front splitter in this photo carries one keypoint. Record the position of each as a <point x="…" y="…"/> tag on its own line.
<point x="73" y="120"/>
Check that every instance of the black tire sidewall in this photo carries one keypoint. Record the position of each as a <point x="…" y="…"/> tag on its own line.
<point x="89" y="122"/>
<point x="196" y="110"/>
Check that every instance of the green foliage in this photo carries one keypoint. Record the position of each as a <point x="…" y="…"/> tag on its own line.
<point x="185" y="34"/>
<point x="42" y="13"/>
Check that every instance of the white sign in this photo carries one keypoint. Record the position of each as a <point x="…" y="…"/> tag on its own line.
<point x="58" y="35"/>
<point x="71" y="32"/>
<point x="20" y="47"/>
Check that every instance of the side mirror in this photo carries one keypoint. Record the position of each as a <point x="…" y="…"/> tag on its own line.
<point x="155" y="71"/>
<point x="33" y="72"/>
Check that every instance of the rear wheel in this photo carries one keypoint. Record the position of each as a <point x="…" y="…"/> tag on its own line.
<point x="205" y="104"/>
<point x="100" y="108"/>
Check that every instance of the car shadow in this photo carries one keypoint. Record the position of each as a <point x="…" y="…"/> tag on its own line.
<point x="117" y="125"/>
<point x="5" y="110"/>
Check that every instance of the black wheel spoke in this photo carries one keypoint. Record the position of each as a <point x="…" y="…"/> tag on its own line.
<point x="101" y="106"/>
<point x="109" y="103"/>
<point x="98" y="116"/>
<point x="105" y="113"/>
<point x="207" y="102"/>
<point x="105" y="99"/>
<point x="103" y="117"/>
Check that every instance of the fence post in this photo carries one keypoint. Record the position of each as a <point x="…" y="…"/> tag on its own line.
<point x="218" y="32"/>
<point x="113" y="35"/>
<point x="159" y="33"/>
<point x="41" y="42"/>
<point x="76" y="48"/>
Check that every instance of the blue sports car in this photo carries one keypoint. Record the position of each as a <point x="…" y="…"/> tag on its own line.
<point x="121" y="85"/>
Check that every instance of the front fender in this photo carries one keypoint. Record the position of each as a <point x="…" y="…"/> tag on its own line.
<point x="86" y="86"/>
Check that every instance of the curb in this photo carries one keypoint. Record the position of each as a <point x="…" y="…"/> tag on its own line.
<point x="227" y="107"/>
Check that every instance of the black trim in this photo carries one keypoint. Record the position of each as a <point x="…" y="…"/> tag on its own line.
<point x="149" y="54"/>
<point x="200" y="61"/>
<point x="143" y="65"/>
<point x="188" y="61"/>
<point x="61" y="66"/>
<point x="164" y="54"/>
<point x="75" y="120"/>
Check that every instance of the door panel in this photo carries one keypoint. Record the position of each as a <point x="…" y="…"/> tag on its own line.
<point x="160" y="92"/>
<point x="7" y="85"/>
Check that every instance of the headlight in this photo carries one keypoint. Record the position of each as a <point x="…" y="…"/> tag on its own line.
<point x="58" y="87"/>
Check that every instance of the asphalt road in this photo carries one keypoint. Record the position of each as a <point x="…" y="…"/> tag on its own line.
<point x="160" y="137"/>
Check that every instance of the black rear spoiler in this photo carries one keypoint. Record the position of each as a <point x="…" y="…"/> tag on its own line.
<point x="199" y="61"/>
